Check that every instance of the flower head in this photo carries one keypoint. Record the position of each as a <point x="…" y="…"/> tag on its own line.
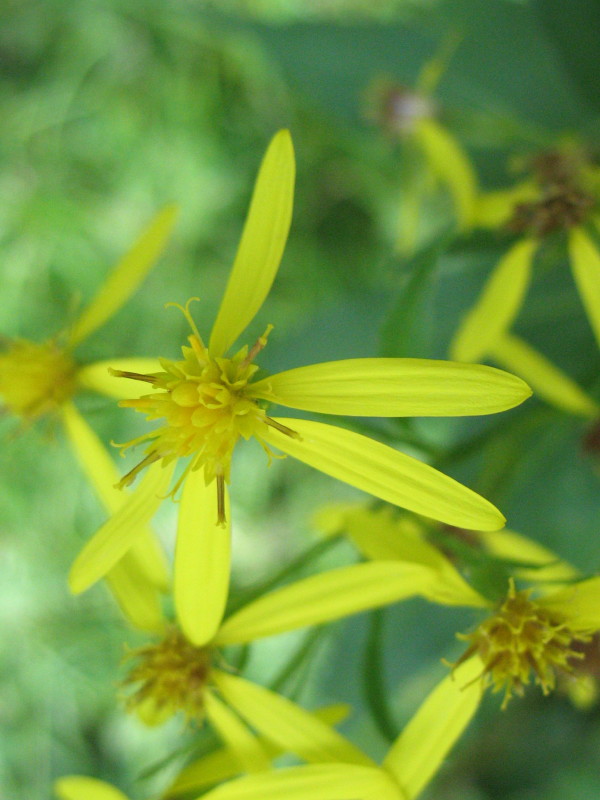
<point x="524" y="640"/>
<point x="562" y="195"/>
<point x="536" y="634"/>
<point x="35" y="378"/>
<point x="432" y="154"/>
<point x="39" y="378"/>
<point x="209" y="400"/>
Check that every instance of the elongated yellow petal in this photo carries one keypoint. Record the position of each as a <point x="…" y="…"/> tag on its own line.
<point x="287" y="725"/>
<point x="325" y="597"/>
<point x="546" y="379"/>
<point x="202" y="560"/>
<point x="137" y="598"/>
<point x="126" y="276"/>
<point x="451" y="166"/>
<point x="97" y="377"/>
<point x="119" y="532"/>
<point x="262" y="244"/>
<point x="422" y="746"/>
<point x="78" y="787"/>
<point x="141" y="573"/>
<point x="382" y="535"/>
<point x="495" y="209"/>
<point x="103" y="475"/>
<point x="315" y="782"/>
<point x="385" y="473"/>
<point x="510" y="545"/>
<point x="585" y="263"/>
<point x="498" y="304"/>
<point x="247" y="749"/>
<point x="579" y="603"/>
<point x="222" y="764"/>
<point x="394" y="387"/>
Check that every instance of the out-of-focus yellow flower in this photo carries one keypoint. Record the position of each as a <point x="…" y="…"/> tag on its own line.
<point x="209" y="401"/>
<point x="434" y="156"/>
<point x="37" y="379"/>
<point x="562" y="195"/>
<point x="339" y="771"/>
<point x="41" y="379"/>
<point x="536" y="633"/>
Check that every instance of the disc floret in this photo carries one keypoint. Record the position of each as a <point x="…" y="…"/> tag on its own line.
<point x="35" y="378"/>
<point x="207" y="404"/>
<point x="524" y="639"/>
<point x="169" y="677"/>
<point x="566" y="195"/>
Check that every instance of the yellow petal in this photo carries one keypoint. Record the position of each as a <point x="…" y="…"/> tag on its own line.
<point x="423" y="745"/>
<point x="315" y="782"/>
<point x="202" y="560"/>
<point x="546" y="379"/>
<point x="222" y="764"/>
<point x="498" y="304"/>
<point x="285" y="724"/>
<point x="103" y="475"/>
<point x="138" y="599"/>
<point x="97" y="377"/>
<point x="510" y="545"/>
<point x="580" y="603"/>
<point x="495" y="209"/>
<point x="451" y="166"/>
<point x="585" y="263"/>
<point x="78" y="787"/>
<point x="262" y="244"/>
<point x="325" y="597"/>
<point x="244" y="745"/>
<point x="216" y="767"/>
<point x="121" y="530"/>
<point x="382" y="535"/>
<point x="385" y="473"/>
<point x="394" y="387"/>
<point x="126" y="276"/>
<point x="141" y="573"/>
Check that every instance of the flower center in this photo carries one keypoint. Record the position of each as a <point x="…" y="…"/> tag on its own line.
<point x="207" y="406"/>
<point x="35" y="378"/>
<point x="524" y="639"/>
<point x="169" y="677"/>
<point x="564" y="200"/>
<point x="398" y="109"/>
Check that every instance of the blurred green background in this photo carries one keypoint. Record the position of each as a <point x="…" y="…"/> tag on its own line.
<point x="110" y="110"/>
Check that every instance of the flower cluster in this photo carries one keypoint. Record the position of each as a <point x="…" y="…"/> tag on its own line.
<point x="423" y="535"/>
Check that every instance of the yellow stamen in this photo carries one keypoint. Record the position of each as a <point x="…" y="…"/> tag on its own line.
<point x="523" y="639"/>
<point x="170" y="677"/>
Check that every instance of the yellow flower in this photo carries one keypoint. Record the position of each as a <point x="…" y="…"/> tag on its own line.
<point x="432" y="155"/>
<point x="40" y="379"/>
<point x="209" y="400"/>
<point x="536" y="634"/>
<point x="338" y="770"/>
<point x="563" y="195"/>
